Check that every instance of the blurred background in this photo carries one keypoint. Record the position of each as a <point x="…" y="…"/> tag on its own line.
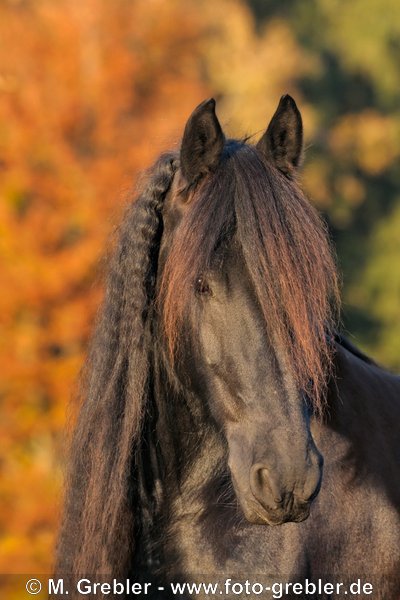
<point x="90" y="93"/>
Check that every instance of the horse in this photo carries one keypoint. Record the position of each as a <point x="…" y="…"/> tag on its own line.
<point x="227" y="429"/>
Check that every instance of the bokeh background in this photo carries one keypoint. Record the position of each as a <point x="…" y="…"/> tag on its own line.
<point x="90" y="93"/>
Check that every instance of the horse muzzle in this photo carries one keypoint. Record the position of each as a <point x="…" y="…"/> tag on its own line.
<point x="271" y="498"/>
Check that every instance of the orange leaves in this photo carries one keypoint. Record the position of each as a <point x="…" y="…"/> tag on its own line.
<point x="89" y="94"/>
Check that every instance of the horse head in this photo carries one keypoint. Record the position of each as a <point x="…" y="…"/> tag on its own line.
<point x="246" y="282"/>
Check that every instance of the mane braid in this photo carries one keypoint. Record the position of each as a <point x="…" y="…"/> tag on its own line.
<point x="287" y="253"/>
<point x="97" y="535"/>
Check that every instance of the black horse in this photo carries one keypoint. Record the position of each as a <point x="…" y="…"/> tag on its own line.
<point x="227" y="432"/>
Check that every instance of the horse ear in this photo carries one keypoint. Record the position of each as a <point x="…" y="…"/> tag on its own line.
<point x="202" y="142"/>
<point x="282" y="143"/>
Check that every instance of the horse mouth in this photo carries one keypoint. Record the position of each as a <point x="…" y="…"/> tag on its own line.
<point x="256" y="514"/>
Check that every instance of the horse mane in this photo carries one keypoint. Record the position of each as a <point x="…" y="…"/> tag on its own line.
<point x="348" y="345"/>
<point x="287" y="253"/>
<point x="98" y="528"/>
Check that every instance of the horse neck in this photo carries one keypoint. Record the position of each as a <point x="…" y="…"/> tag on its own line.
<point x="362" y="397"/>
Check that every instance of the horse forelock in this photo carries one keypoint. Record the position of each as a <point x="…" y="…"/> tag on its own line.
<point x="286" y="250"/>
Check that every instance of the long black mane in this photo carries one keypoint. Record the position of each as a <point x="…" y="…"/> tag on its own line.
<point x="97" y="535"/>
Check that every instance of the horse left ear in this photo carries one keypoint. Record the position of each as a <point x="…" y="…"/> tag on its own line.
<point x="282" y="143"/>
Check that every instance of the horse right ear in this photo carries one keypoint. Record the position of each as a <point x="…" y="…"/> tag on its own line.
<point x="202" y="143"/>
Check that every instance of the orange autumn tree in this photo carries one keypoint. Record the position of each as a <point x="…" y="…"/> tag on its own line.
<point x="90" y="93"/>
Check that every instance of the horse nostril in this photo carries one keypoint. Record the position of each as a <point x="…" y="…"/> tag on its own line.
<point x="263" y="487"/>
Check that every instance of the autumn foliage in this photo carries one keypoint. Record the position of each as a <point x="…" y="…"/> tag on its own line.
<point x="90" y="93"/>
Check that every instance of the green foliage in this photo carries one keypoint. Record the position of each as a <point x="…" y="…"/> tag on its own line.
<point x="378" y="290"/>
<point x="365" y="36"/>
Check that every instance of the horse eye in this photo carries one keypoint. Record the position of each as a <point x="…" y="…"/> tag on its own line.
<point x="202" y="287"/>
